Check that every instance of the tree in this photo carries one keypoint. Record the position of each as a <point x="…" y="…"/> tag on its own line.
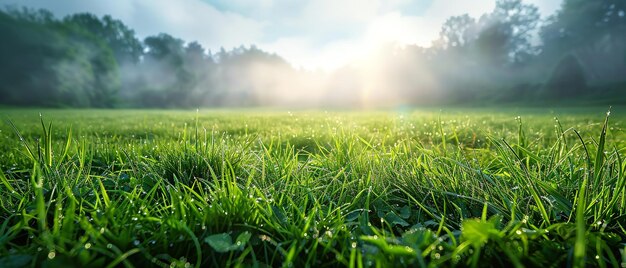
<point x="121" y="39"/>
<point x="594" y="32"/>
<point x="457" y="32"/>
<point x="200" y="81"/>
<point x="568" y="79"/>
<point x="166" y="83"/>
<point x="164" y="47"/>
<point x="26" y="48"/>
<point x="53" y="63"/>
<point x="507" y="31"/>
<point x="97" y="56"/>
<point x="246" y="76"/>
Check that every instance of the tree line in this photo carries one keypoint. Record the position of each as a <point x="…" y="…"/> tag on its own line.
<point x="86" y="61"/>
<point x="508" y="55"/>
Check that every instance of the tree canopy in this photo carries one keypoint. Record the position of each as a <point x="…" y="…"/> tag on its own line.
<point x="83" y="60"/>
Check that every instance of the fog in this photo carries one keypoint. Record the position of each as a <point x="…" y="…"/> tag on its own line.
<point x="507" y="56"/>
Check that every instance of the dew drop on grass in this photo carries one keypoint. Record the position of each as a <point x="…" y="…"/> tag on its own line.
<point x="88" y="246"/>
<point x="136" y="242"/>
<point x="51" y="255"/>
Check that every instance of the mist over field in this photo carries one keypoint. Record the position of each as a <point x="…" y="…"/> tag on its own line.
<point x="510" y="54"/>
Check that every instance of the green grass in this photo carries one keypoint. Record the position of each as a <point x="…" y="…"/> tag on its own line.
<point x="459" y="187"/>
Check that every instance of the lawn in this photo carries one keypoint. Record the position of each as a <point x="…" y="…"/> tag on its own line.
<point x="452" y="187"/>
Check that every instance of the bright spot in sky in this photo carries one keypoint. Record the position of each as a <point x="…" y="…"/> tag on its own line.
<point x="311" y="34"/>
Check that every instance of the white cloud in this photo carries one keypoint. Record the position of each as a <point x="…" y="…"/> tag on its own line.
<point x="186" y="19"/>
<point x="195" y="20"/>
<point x="377" y="22"/>
<point x="310" y="34"/>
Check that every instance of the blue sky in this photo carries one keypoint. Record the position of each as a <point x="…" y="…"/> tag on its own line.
<point x="311" y="34"/>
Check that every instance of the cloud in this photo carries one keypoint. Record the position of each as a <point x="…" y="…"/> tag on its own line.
<point x="186" y="19"/>
<point x="308" y="33"/>
<point x="195" y="20"/>
<point x="372" y="25"/>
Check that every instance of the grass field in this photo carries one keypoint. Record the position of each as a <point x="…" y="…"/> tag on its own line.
<point x="458" y="187"/>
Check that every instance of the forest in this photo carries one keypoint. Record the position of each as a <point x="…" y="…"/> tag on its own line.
<point x="510" y="55"/>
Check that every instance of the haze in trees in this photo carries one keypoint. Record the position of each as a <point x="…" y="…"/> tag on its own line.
<point x="510" y="54"/>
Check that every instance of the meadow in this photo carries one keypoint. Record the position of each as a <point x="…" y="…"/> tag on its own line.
<point x="476" y="187"/>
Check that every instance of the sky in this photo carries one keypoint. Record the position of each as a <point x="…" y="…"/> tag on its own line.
<point x="310" y="34"/>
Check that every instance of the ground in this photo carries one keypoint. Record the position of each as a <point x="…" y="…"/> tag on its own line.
<point x="429" y="187"/>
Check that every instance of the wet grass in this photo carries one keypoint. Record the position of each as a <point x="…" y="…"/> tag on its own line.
<point x="459" y="187"/>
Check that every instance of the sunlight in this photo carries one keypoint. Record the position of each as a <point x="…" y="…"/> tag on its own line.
<point x="330" y="133"/>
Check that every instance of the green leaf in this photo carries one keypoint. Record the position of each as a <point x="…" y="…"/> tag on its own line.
<point x="242" y="239"/>
<point x="417" y="238"/>
<point x="220" y="242"/>
<point x="394" y="219"/>
<point x="390" y="249"/>
<point x="479" y="232"/>
<point x="353" y="215"/>
<point x="224" y="243"/>
<point x="405" y="212"/>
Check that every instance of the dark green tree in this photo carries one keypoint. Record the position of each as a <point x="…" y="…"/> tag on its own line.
<point x="165" y="80"/>
<point x="594" y="32"/>
<point x="567" y="80"/>
<point x="200" y="83"/>
<point x="120" y="38"/>
<point x="47" y="62"/>
<point x="506" y="32"/>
